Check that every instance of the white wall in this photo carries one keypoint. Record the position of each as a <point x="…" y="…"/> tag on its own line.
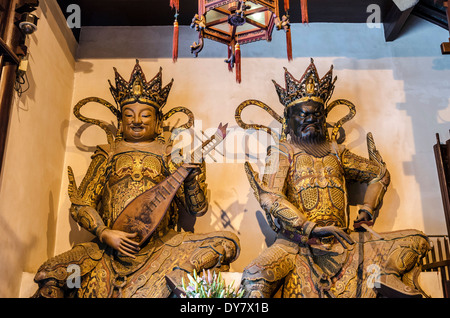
<point x="400" y="89"/>
<point x="33" y="164"/>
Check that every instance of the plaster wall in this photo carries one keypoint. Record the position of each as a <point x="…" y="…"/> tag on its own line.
<point x="400" y="89"/>
<point x="36" y="144"/>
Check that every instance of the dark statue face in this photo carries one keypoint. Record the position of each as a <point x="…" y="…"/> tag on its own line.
<point x="140" y="123"/>
<point x="306" y="121"/>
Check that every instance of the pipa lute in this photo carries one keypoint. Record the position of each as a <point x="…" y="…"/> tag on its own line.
<point x="145" y="212"/>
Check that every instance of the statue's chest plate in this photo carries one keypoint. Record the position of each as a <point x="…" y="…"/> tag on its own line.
<point x="317" y="186"/>
<point x="311" y="172"/>
<point x="131" y="174"/>
<point x="135" y="167"/>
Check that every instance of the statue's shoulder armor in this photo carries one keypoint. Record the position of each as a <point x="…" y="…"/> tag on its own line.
<point x="338" y="149"/>
<point x="283" y="148"/>
<point x="102" y="150"/>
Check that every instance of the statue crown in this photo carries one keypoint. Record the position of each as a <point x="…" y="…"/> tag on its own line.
<point x="309" y="87"/>
<point x="137" y="89"/>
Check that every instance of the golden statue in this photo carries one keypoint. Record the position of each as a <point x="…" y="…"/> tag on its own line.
<point x="303" y="192"/>
<point x="130" y="199"/>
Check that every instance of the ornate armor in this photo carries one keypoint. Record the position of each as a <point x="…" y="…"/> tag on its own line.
<point x="304" y="194"/>
<point x="120" y="172"/>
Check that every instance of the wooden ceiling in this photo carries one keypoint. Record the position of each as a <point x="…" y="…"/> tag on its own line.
<point x="158" y="12"/>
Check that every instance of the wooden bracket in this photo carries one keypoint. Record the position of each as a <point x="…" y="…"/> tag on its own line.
<point x="8" y="53"/>
<point x="394" y="21"/>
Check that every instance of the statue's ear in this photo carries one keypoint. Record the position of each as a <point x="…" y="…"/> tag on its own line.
<point x="159" y="124"/>
<point x="119" y="132"/>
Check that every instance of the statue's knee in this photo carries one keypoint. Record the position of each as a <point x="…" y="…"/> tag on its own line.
<point x="216" y="254"/>
<point x="49" y="288"/>
<point x="257" y="282"/>
<point x="253" y="291"/>
<point x="408" y="254"/>
<point x="257" y="288"/>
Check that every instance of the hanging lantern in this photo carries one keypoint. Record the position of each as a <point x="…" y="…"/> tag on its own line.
<point x="234" y="23"/>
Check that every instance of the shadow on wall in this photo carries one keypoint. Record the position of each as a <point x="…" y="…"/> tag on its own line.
<point x="427" y="95"/>
<point x="14" y="252"/>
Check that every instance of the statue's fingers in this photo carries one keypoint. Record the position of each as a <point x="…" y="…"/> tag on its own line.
<point x="347" y="238"/>
<point x="130" y="244"/>
<point x="124" y="252"/>
<point x="338" y="237"/>
<point x="128" y="249"/>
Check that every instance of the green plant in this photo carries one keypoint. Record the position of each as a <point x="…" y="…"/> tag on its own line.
<point x="209" y="285"/>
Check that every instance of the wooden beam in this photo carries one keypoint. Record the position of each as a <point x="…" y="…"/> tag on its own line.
<point x="8" y="53"/>
<point x="8" y="78"/>
<point x="394" y="22"/>
<point x="223" y="11"/>
<point x="445" y="46"/>
<point x="8" y="65"/>
<point x="256" y="24"/>
<point x="216" y="22"/>
<point x="434" y="14"/>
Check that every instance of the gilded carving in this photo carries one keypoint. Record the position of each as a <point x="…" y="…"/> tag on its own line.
<point x="136" y="251"/>
<point x="304" y="194"/>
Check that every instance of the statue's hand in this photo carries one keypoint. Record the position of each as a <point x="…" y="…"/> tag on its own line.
<point x="339" y="234"/>
<point x="120" y="241"/>
<point x="198" y="169"/>
<point x="363" y="218"/>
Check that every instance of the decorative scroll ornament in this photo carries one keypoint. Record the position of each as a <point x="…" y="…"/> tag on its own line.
<point x="309" y="87"/>
<point x="136" y="90"/>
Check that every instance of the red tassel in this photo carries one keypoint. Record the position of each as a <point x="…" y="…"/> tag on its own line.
<point x="304" y="5"/>
<point x="175" y="4"/>
<point x="237" y="56"/>
<point x="175" y="42"/>
<point x="230" y="53"/>
<point x="289" y="44"/>
<point x="286" y="5"/>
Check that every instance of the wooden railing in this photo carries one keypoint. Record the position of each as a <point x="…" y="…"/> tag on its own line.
<point x="438" y="260"/>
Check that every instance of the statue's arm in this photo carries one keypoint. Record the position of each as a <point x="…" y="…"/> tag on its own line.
<point x="195" y="190"/>
<point x="271" y="192"/>
<point x="86" y="197"/>
<point x="371" y="172"/>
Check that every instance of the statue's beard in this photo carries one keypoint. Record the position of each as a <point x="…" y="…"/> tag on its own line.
<point x="309" y="134"/>
<point x="312" y="140"/>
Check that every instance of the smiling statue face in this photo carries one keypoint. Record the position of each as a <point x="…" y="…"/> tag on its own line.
<point x="140" y="123"/>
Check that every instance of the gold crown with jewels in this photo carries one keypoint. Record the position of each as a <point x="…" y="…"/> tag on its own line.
<point x="309" y="87"/>
<point x="137" y="89"/>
